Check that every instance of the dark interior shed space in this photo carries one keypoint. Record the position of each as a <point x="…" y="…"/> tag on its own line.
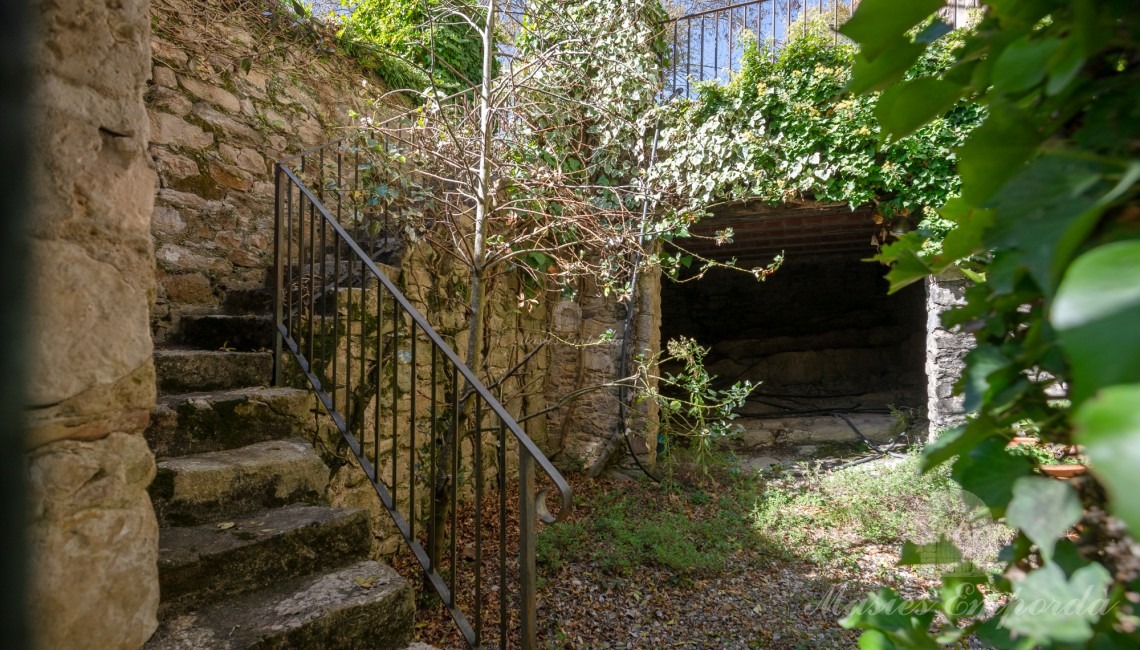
<point x="821" y="334"/>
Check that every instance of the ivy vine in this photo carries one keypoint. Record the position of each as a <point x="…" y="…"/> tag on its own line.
<point x="783" y="130"/>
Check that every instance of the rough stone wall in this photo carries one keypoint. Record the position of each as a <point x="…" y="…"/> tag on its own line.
<point x="587" y="428"/>
<point x="233" y="90"/>
<point x="946" y="351"/>
<point x="93" y="533"/>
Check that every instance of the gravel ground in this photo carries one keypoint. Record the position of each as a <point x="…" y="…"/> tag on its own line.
<point x="758" y="598"/>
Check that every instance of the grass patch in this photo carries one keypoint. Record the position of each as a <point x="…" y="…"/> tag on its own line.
<point x="689" y="531"/>
<point x="820" y="516"/>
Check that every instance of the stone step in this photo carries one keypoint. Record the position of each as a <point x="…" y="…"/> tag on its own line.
<point x="249" y="301"/>
<point x="193" y="423"/>
<point x="199" y="564"/>
<point x="366" y="605"/>
<point x="241" y="333"/>
<point x="192" y="490"/>
<point x="192" y="370"/>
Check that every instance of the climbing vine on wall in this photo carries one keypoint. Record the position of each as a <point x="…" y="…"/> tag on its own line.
<point x="431" y="42"/>
<point x="782" y="130"/>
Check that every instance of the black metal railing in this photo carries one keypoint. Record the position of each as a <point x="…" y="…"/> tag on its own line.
<point x="709" y="45"/>
<point x="434" y="442"/>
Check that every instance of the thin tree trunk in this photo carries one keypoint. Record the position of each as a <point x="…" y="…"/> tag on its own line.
<point x="477" y="281"/>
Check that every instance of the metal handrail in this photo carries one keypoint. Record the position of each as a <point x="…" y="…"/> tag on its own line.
<point x="307" y="235"/>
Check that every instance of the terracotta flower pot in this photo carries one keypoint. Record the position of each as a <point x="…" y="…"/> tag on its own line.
<point x="1023" y="440"/>
<point x="1063" y="471"/>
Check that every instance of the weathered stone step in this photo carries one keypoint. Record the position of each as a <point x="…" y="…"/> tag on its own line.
<point x="366" y="605"/>
<point x="187" y="371"/>
<point x="241" y="333"/>
<point x="200" y="563"/>
<point x="193" y="423"/>
<point x="191" y="490"/>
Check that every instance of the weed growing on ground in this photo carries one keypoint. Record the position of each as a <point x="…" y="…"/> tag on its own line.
<point x="687" y="530"/>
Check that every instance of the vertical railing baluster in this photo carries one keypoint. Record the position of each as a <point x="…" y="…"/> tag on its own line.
<point x="349" y="412"/>
<point x="477" y="458"/>
<point x="335" y="342"/>
<point x="289" y="260"/>
<point x="503" y="534"/>
<point x="676" y="62"/>
<point x="301" y="199"/>
<point x="730" y="39"/>
<point x="528" y="621"/>
<point x="379" y="386"/>
<point x="716" y="47"/>
<point x="397" y="318"/>
<point x="324" y="296"/>
<point x="433" y="478"/>
<point x="689" y="58"/>
<point x="412" y="439"/>
<point x="312" y="278"/>
<point x="454" y="500"/>
<point x="363" y="378"/>
<point x="278" y="281"/>
<point x="702" y="68"/>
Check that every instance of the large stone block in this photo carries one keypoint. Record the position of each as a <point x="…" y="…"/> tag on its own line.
<point x="91" y="343"/>
<point x="94" y="541"/>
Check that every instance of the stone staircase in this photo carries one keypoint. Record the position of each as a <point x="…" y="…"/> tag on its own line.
<point x="249" y="555"/>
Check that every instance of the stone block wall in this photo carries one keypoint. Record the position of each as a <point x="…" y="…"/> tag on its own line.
<point x="585" y="358"/>
<point x="233" y="90"/>
<point x="93" y="533"/>
<point x="946" y="351"/>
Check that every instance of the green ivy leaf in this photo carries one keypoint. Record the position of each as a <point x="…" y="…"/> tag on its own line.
<point x="989" y="473"/>
<point x="1109" y="428"/>
<point x="954" y="442"/>
<point x="969" y="231"/>
<point x="1099" y="299"/>
<point x="1023" y="64"/>
<point x="1049" y="607"/>
<point x="869" y="75"/>
<point x="981" y="364"/>
<point x="903" y="108"/>
<point x="902" y="623"/>
<point x="961" y="596"/>
<point x="942" y="551"/>
<point x="876" y="24"/>
<point x="1044" y="509"/>
<point x="1045" y="212"/>
<point x="994" y="152"/>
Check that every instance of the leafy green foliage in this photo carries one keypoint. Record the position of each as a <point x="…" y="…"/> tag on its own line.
<point x="418" y="42"/>
<point x="1047" y="220"/>
<point x="693" y="413"/>
<point x="782" y="130"/>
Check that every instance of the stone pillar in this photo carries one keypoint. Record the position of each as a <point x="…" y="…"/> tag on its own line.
<point x="93" y="534"/>
<point x="945" y="351"/>
<point x="644" y="418"/>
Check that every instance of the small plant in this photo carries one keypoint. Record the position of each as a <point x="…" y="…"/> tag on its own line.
<point x="694" y="415"/>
